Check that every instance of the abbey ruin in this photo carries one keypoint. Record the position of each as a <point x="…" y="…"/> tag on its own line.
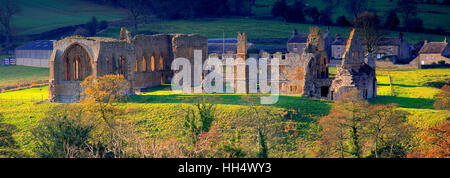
<point x="145" y="61"/>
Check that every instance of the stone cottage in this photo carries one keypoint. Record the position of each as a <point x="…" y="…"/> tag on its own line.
<point x="386" y="46"/>
<point x="433" y="52"/>
<point x="297" y="42"/>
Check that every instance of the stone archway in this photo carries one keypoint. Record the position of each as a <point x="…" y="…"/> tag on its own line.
<point x="77" y="63"/>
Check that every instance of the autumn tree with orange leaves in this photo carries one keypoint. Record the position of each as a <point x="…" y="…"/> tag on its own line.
<point x="436" y="143"/>
<point x="342" y="128"/>
<point x="355" y="128"/>
<point x="442" y="99"/>
<point x="100" y="98"/>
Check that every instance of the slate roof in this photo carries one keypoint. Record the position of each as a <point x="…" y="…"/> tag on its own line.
<point x="434" y="47"/>
<point x="388" y="41"/>
<point x="218" y="47"/>
<point x="298" y="38"/>
<point x="37" y="45"/>
<point x="340" y="41"/>
<point x="220" y="40"/>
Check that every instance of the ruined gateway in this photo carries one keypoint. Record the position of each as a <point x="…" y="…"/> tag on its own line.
<point x="145" y="61"/>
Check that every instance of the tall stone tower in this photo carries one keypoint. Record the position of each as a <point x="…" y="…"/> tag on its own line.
<point x="242" y="45"/>
<point x="354" y="52"/>
<point x="315" y="45"/>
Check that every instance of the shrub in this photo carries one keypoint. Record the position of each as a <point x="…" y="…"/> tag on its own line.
<point x="442" y="99"/>
<point x="64" y="133"/>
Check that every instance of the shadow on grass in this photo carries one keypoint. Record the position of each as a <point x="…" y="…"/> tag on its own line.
<point x="416" y="103"/>
<point x="305" y="108"/>
<point x="398" y="85"/>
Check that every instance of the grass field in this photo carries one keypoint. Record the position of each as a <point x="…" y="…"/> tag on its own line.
<point x="42" y="15"/>
<point x="212" y="28"/>
<point x="17" y="74"/>
<point x="159" y="113"/>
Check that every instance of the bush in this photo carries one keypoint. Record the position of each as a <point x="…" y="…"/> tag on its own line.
<point x="441" y="62"/>
<point x="443" y="98"/>
<point x="64" y="133"/>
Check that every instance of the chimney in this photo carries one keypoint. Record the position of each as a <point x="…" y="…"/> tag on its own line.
<point x="401" y="36"/>
<point x="294" y="32"/>
<point x="445" y="39"/>
<point x="425" y="42"/>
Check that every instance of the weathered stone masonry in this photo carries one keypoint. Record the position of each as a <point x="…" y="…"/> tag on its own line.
<point x="144" y="60"/>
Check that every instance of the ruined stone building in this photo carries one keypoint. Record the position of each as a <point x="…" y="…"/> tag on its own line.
<point x="144" y="60"/>
<point x="311" y="75"/>
<point x="307" y="73"/>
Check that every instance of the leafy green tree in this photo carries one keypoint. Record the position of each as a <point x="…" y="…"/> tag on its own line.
<point x="8" y="8"/>
<point x="63" y="133"/>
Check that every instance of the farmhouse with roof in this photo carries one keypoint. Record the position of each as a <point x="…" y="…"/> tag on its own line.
<point x="433" y="52"/>
<point x="297" y="42"/>
<point x="36" y="54"/>
<point x="386" y="46"/>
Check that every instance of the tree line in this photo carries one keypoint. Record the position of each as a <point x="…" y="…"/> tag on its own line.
<point x="404" y="11"/>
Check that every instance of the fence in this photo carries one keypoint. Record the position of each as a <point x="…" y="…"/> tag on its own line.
<point x="8" y="61"/>
<point x="22" y="99"/>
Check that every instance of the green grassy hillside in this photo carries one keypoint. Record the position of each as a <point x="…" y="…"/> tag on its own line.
<point x="213" y="28"/>
<point x="16" y="74"/>
<point x="42" y="15"/>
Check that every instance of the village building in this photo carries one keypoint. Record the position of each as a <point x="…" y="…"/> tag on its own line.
<point x="338" y="47"/>
<point x="297" y="42"/>
<point x="433" y="52"/>
<point x="396" y="49"/>
<point x="224" y="45"/>
<point x="35" y="54"/>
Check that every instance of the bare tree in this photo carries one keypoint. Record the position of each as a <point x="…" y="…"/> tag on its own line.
<point x="136" y="9"/>
<point x="367" y="24"/>
<point x="7" y="9"/>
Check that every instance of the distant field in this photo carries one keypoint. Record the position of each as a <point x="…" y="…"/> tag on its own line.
<point x="42" y="15"/>
<point x="34" y="93"/>
<point x="213" y="28"/>
<point x="16" y="74"/>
